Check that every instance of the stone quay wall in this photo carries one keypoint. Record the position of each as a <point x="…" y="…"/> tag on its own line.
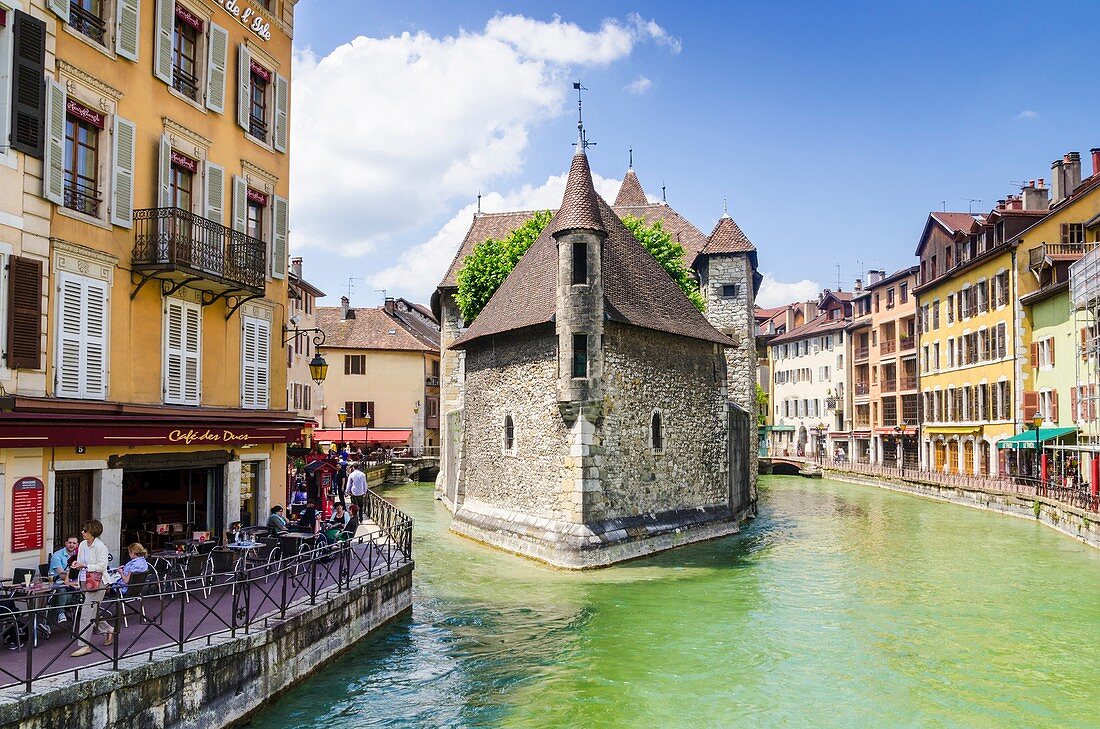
<point x="217" y="685"/>
<point x="1080" y="524"/>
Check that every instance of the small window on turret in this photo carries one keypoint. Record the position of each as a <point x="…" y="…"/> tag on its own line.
<point x="730" y="291"/>
<point x="656" y="435"/>
<point x="580" y="262"/>
<point x="509" y="433"/>
<point x="580" y="355"/>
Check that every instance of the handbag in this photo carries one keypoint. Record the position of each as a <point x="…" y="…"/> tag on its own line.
<point x="92" y="580"/>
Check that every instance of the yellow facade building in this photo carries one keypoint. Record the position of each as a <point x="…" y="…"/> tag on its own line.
<point x="153" y="322"/>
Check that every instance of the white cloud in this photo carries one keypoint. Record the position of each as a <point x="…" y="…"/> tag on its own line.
<point x="776" y="293"/>
<point x="389" y="132"/>
<point x="1028" y="114"/>
<point x="639" y="85"/>
<point x="421" y="267"/>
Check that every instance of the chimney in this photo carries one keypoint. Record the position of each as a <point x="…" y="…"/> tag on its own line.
<point x="1095" y="152"/>
<point x="296" y="266"/>
<point x="859" y="284"/>
<point x="873" y="277"/>
<point x="344" y="307"/>
<point x="1000" y="204"/>
<point x="388" y="306"/>
<point x="1073" y="172"/>
<point x="1035" y="196"/>
<point x="1057" y="182"/>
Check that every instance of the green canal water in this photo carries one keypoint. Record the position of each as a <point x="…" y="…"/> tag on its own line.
<point x="841" y="605"/>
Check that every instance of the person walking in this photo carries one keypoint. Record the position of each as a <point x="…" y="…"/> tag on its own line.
<point x="357" y="487"/>
<point x="91" y="559"/>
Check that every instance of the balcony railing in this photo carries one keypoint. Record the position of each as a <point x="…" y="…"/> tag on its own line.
<point x="865" y="423"/>
<point x="861" y="388"/>
<point x="82" y="199"/>
<point x="431" y="381"/>
<point x="185" y="82"/>
<point x="1039" y="253"/>
<point x="174" y="239"/>
<point x="87" y="22"/>
<point x="862" y="352"/>
<point x="889" y="385"/>
<point x="257" y="127"/>
<point x="887" y="346"/>
<point x="909" y="382"/>
<point x="908" y="343"/>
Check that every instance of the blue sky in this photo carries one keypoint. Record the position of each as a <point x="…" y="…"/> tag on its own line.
<point x="831" y="130"/>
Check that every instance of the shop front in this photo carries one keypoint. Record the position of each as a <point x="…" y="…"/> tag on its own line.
<point x="149" y="473"/>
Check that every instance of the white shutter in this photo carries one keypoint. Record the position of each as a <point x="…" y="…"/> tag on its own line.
<point x="53" y="165"/>
<point x="60" y="7"/>
<point x="214" y="193"/>
<point x="282" y="93"/>
<point x="122" y="178"/>
<point x="164" y="166"/>
<point x="83" y="312"/>
<point x="165" y="19"/>
<point x="278" y="238"/>
<point x="255" y="352"/>
<point x="182" y="352"/>
<point x="216" y="63"/>
<point x="70" y="335"/>
<point x="96" y="318"/>
<point x="127" y="33"/>
<point x="240" y="204"/>
<point x="244" y="79"/>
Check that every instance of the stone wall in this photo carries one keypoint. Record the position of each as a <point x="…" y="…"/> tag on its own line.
<point x="217" y="685"/>
<point x="682" y="379"/>
<point x="451" y="383"/>
<point x="515" y="374"/>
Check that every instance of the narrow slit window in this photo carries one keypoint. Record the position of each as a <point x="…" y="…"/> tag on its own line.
<point x="580" y="262"/>
<point x="580" y="355"/>
<point x="509" y="433"/>
<point x="656" y="433"/>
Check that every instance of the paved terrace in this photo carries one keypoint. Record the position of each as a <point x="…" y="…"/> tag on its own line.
<point x="225" y="605"/>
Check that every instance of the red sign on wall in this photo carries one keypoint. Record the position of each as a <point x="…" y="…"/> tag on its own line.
<point x="26" y="514"/>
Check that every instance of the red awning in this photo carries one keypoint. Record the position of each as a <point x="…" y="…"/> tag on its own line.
<point x="366" y="435"/>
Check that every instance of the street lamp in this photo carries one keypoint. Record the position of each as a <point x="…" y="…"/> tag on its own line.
<point x="899" y="433"/>
<point x="343" y="416"/>
<point x="318" y="368"/>
<point x="820" y="429"/>
<point x="1036" y="421"/>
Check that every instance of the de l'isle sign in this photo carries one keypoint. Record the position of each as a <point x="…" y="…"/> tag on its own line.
<point x="248" y="18"/>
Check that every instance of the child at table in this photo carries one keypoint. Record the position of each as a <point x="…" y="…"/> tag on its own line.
<point x="136" y="564"/>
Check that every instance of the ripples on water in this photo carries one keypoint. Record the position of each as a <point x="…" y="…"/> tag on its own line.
<point x="839" y="606"/>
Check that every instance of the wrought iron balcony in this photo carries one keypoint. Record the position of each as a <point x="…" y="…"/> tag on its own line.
<point x="185" y="82"/>
<point x="87" y="22"/>
<point x="185" y="249"/>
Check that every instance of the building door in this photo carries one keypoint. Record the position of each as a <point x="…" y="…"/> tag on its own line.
<point x="251" y="485"/>
<point x="940" y="455"/>
<point x="952" y="456"/>
<point x="985" y="458"/>
<point x="968" y="457"/>
<point x="72" y="504"/>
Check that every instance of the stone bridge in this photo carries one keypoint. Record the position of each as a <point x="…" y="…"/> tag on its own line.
<point x="789" y="466"/>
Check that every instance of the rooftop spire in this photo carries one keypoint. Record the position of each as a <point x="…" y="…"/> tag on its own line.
<point x="725" y="209"/>
<point x="630" y="166"/>
<point x="582" y="142"/>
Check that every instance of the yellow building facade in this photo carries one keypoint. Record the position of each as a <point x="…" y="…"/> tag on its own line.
<point x="157" y="333"/>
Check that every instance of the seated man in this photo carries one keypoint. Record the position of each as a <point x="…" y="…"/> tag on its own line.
<point x="59" y="571"/>
<point x="307" y="520"/>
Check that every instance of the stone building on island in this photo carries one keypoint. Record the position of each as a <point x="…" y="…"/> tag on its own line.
<point x="588" y="412"/>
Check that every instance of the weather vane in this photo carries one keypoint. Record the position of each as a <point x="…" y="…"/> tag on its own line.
<point x="582" y="141"/>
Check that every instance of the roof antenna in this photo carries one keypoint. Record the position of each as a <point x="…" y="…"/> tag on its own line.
<point x="970" y="204"/>
<point x="944" y="203"/>
<point x="383" y="292"/>
<point x="582" y="141"/>
<point x="479" y="202"/>
<point x="839" y="281"/>
<point x="631" y="165"/>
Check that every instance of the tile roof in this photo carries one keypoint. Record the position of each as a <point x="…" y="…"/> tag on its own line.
<point x="954" y="222"/>
<point x="631" y="192"/>
<point x="727" y="237"/>
<point x="637" y="290"/>
<point x="681" y="229"/>
<point x="372" y="328"/>
<point x="818" y="325"/>
<point x="580" y="206"/>
<point x="483" y="227"/>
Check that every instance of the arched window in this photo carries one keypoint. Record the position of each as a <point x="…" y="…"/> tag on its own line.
<point x="509" y="433"/>
<point x="656" y="435"/>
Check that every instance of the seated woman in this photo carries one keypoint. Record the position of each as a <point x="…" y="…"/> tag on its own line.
<point x="336" y="524"/>
<point x="352" y="524"/>
<point x="136" y="564"/>
<point x="277" y="522"/>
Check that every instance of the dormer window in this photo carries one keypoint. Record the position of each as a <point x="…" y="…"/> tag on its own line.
<point x="580" y="262"/>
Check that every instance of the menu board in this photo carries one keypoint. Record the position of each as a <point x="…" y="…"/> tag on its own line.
<point x="26" y="514"/>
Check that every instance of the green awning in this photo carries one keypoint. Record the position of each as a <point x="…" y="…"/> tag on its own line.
<point x="1027" y="438"/>
<point x="778" y="428"/>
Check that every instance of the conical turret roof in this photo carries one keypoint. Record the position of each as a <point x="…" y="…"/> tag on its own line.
<point x="631" y="192"/>
<point x="727" y="237"/>
<point x="580" y="206"/>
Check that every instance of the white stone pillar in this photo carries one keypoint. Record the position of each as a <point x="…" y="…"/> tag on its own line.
<point x="107" y="507"/>
<point x="231" y="497"/>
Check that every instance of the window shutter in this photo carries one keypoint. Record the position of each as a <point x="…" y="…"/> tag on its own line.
<point x="164" y="176"/>
<point x="240" y="204"/>
<point x="1053" y="414"/>
<point x="94" y="359"/>
<point x="255" y="351"/>
<point x="127" y="32"/>
<point x="217" y="60"/>
<point x="1073" y="404"/>
<point x="53" y="172"/>
<point x="122" y="183"/>
<point x="182" y="352"/>
<point x="69" y="336"/>
<point x="282" y="94"/>
<point x="1084" y="343"/>
<point x="244" y="77"/>
<point x="60" y="7"/>
<point x="1051" y="351"/>
<point x="1031" y="404"/>
<point x="1065" y="232"/>
<point x="1034" y="354"/>
<point x="278" y="244"/>
<point x="214" y="193"/>
<point x="28" y="91"/>
<point x="162" y="40"/>
<point x="24" y="313"/>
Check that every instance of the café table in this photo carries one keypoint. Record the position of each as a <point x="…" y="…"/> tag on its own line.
<point x="172" y="558"/>
<point x="36" y="595"/>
